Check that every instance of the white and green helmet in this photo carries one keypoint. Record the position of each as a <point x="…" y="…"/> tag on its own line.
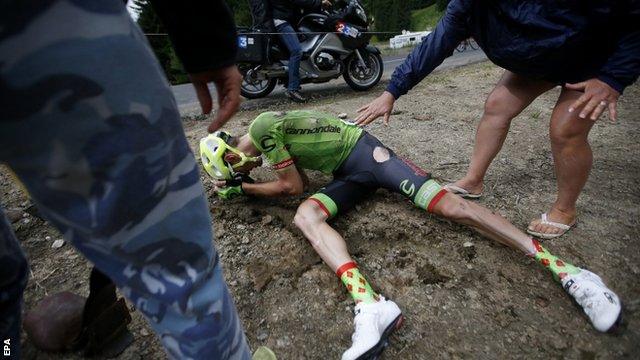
<point x="212" y="150"/>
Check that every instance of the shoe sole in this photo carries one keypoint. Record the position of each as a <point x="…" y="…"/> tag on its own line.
<point x="618" y="326"/>
<point x="377" y="349"/>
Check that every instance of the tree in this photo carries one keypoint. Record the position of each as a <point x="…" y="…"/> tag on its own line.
<point x="390" y="16"/>
<point x="241" y="12"/>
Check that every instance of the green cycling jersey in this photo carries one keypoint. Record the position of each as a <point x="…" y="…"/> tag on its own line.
<point x="309" y="139"/>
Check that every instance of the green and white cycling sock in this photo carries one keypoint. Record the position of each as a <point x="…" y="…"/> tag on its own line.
<point x="558" y="268"/>
<point x="356" y="284"/>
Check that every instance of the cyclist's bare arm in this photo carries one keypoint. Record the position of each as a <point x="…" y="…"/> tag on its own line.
<point x="289" y="183"/>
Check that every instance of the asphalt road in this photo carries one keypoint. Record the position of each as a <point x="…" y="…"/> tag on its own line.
<point x="188" y="102"/>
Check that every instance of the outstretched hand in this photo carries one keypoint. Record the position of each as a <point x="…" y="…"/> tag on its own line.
<point x="227" y="81"/>
<point x="597" y="97"/>
<point x="381" y="106"/>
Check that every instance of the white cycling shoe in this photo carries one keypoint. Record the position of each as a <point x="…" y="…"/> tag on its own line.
<point x="601" y="305"/>
<point x="373" y="325"/>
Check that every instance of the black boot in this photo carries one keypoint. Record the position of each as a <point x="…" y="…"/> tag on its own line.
<point x="296" y="96"/>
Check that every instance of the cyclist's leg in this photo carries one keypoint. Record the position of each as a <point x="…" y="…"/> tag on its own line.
<point x="92" y="130"/>
<point x="311" y="218"/>
<point x="404" y="177"/>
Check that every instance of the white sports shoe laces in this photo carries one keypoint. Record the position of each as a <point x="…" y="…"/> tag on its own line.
<point x="601" y="305"/>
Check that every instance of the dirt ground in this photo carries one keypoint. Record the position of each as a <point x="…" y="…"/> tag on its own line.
<point x="463" y="296"/>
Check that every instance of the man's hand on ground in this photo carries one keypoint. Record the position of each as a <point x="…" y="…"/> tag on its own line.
<point x="227" y="81"/>
<point x="597" y="96"/>
<point x="381" y="106"/>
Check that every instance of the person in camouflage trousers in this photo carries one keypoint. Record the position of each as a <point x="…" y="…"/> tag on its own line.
<point x="89" y="125"/>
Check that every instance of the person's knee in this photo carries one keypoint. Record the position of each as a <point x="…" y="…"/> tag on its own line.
<point x="498" y="107"/>
<point x="454" y="208"/>
<point x="308" y="214"/>
<point x="566" y="133"/>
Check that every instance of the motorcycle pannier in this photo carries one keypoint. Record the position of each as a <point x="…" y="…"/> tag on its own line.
<point x="252" y="46"/>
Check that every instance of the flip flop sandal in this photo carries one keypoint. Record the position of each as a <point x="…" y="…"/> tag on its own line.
<point x="461" y="192"/>
<point x="544" y="220"/>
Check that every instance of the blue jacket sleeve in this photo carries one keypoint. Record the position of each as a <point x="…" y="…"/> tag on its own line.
<point x="623" y="67"/>
<point x="437" y="46"/>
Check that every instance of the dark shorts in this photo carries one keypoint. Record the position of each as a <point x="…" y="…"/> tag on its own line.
<point x="361" y="175"/>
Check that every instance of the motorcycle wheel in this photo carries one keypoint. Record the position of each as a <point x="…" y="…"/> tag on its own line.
<point x="254" y="88"/>
<point x="362" y="79"/>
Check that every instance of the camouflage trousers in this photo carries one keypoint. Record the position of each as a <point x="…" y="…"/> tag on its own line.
<point x="89" y="125"/>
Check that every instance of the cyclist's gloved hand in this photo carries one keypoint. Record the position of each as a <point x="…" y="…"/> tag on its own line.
<point x="233" y="188"/>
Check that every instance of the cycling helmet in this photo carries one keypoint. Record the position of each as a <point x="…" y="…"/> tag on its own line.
<point x="212" y="150"/>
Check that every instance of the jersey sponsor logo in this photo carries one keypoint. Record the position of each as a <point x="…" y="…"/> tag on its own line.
<point x="319" y="129"/>
<point x="408" y="190"/>
<point x="267" y="143"/>
<point x="283" y="164"/>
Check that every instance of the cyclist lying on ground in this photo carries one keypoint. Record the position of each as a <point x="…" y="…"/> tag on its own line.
<point x="360" y="164"/>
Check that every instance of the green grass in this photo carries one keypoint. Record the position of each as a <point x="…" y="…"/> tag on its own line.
<point x="426" y="18"/>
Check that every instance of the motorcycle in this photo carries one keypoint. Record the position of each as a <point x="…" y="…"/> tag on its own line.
<point x="333" y="43"/>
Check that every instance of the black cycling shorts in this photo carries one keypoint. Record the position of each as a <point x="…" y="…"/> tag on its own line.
<point x="361" y="174"/>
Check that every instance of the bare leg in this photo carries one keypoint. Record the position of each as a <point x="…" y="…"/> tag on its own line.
<point x="331" y="247"/>
<point x="572" y="157"/>
<point x="512" y="94"/>
<point x="325" y="240"/>
<point x="484" y="221"/>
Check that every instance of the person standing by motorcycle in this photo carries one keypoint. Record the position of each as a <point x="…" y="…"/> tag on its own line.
<point x="286" y="13"/>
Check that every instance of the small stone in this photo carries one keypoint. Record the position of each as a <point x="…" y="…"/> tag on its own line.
<point x="48" y="238"/>
<point x="233" y="282"/>
<point x="422" y="117"/>
<point x="267" y="219"/>
<point x="283" y="342"/>
<point x="262" y="335"/>
<point x="245" y="240"/>
<point x="542" y="301"/>
<point x="14" y="215"/>
<point x="26" y="221"/>
<point x="342" y="116"/>
<point x="261" y="275"/>
<point x="467" y="244"/>
<point x="241" y="227"/>
<point x="57" y="244"/>
<point x="144" y="332"/>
